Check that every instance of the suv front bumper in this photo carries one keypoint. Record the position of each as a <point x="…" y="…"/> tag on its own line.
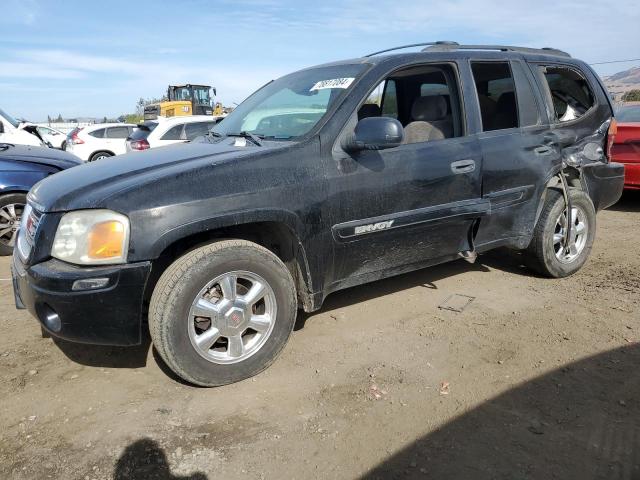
<point x="111" y="315"/>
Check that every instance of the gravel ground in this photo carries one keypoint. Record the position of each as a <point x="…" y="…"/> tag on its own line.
<point x="536" y="378"/>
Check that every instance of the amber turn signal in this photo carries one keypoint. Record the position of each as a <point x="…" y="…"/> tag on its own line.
<point x="106" y="240"/>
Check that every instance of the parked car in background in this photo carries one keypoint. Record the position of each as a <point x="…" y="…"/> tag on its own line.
<point x="12" y="131"/>
<point x="168" y="130"/>
<point x="99" y="141"/>
<point x="626" y="146"/>
<point x="21" y="167"/>
<point x="55" y="138"/>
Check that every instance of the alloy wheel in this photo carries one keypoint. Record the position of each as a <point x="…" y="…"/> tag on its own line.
<point x="232" y="317"/>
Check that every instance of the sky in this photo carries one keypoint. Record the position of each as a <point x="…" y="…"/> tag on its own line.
<point x="97" y="59"/>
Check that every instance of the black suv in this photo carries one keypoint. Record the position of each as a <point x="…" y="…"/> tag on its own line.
<point x="326" y="178"/>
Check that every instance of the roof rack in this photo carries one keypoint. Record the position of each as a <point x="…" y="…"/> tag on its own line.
<point x="448" y="46"/>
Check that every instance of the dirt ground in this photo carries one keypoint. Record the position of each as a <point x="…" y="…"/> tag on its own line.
<point x="536" y="378"/>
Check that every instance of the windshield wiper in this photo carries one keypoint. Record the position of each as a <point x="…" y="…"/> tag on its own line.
<point x="249" y="136"/>
<point x="276" y="137"/>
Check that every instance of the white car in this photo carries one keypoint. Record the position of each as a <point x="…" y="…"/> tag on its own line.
<point x="167" y="130"/>
<point x="99" y="141"/>
<point x="55" y="137"/>
<point x="11" y="132"/>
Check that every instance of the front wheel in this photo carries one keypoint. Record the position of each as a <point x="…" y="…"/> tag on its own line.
<point x="547" y="252"/>
<point x="11" y="208"/>
<point x="223" y="312"/>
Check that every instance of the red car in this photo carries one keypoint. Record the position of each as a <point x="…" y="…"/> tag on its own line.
<point x="626" y="145"/>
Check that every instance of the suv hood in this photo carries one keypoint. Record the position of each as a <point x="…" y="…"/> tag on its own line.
<point x="91" y="184"/>
<point x="41" y="155"/>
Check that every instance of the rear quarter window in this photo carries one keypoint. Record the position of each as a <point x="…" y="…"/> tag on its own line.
<point x="568" y="91"/>
<point x="98" y="133"/>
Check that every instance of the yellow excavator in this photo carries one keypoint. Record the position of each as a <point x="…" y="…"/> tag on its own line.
<point x="184" y="100"/>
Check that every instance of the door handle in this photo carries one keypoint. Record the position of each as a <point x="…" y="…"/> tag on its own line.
<point x="463" y="166"/>
<point x="543" y="150"/>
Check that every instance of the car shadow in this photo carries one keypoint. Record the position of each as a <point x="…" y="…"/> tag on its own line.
<point x="580" y="421"/>
<point x="136" y="356"/>
<point x="629" y="202"/>
<point x="107" y="356"/>
<point x="501" y="259"/>
<point x="144" y="459"/>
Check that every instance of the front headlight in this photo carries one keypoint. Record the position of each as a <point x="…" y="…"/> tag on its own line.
<point x="92" y="237"/>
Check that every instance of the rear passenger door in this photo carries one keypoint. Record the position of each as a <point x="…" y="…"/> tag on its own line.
<point x="519" y="154"/>
<point x="115" y="138"/>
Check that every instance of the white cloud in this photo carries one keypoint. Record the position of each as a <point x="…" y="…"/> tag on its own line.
<point x="241" y="44"/>
<point x="34" y="70"/>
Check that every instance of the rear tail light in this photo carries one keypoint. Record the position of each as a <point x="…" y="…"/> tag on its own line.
<point x="139" y="144"/>
<point x="611" y="136"/>
<point x="75" y="139"/>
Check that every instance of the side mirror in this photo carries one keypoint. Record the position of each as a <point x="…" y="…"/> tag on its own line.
<point x="375" y="133"/>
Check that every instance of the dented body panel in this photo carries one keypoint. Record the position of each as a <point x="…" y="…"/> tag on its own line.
<point x="350" y="217"/>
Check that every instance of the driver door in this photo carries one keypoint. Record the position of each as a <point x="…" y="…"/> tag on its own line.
<point x="411" y="205"/>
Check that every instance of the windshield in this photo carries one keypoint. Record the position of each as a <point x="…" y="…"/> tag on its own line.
<point x="628" y="114"/>
<point x="9" y="118"/>
<point x="292" y="105"/>
<point x="181" y="93"/>
<point x="201" y="95"/>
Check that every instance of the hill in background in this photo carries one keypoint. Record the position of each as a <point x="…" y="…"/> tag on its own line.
<point x="622" y="82"/>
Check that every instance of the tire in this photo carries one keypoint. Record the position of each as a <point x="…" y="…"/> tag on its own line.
<point x="174" y="326"/>
<point x="11" y="208"/>
<point x="100" y="156"/>
<point x="545" y="254"/>
<point x="63" y="145"/>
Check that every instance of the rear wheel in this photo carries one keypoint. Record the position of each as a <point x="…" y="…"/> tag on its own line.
<point x="100" y="156"/>
<point x="11" y="208"/>
<point x="547" y="253"/>
<point x="223" y="312"/>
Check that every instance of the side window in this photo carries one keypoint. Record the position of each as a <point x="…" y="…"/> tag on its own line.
<point x="570" y="92"/>
<point x="174" y="133"/>
<point x="118" y="132"/>
<point x="372" y="105"/>
<point x="425" y="99"/>
<point x="193" y="130"/>
<point x="381" y="102"/>
<point x="390" y="100"/>
<point x="496" y="95"/>
<point x="98" y="133"/>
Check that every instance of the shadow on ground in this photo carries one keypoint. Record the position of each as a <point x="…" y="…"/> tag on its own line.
<point x="136" y="356"/>
<point x="579" y="422"/>
<point x="105" y="356"/>
<point x="145" y="460"/>
<point x="630" y="202"/>
<point x="500" y="259"/>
